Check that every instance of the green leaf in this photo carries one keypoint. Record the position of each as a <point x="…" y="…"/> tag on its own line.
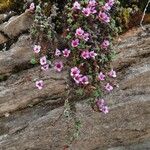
<point x="80" y="91"/>
<point x="69" y="20"/>
<point x="97" y="93"/>
<point x="68" y="36"/>
<point x="112" y="55"/>
<point x="33" y="61"/>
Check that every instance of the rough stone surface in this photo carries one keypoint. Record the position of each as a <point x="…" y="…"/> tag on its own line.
<point x="138" y="146"/>
<point x="3" y="39"/>
<point x="17" y="24"/>
<point x="19" y="54"/>
<point x="2" y="17"/>
<point x="32" y="119"/>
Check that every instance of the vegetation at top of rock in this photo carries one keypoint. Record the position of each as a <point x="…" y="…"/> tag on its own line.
<point x="130" y="13"/>
<point x="140" y="4"/>
<point x="20" y="5"/>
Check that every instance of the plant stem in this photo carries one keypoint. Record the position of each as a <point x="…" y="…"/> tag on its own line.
<point x="144" y="15"/>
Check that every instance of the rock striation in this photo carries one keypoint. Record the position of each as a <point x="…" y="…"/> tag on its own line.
<point x="32" y="119"/>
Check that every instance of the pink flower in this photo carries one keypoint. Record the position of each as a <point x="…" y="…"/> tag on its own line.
<point x="76" y="5"/>
<point x="93" y="10"/>
<point x="75" y="43"/>
<point x="106" y="7"/>
<point x="37" y="48"/>
<point x="92" y="3"/>
<point x="45" y="67"/>
<point x="39" y="84"/>
<point x="100" y="102"/>
<point x="43" y="60"/>
<point x="104" y="17"/>
<point x="86" y="11"/>
<point x="57" y="52"/>
<point x="93" y="54"/>
<point x="79" y="32"/>
<point x="105" y="109"/>
<point x="112" y="73"/>
<point x="32" y="7"/>
<point x="101" y="76"/>
<point x="78" y="78"/>
<point x="66" y="53"/>
<point x="84" y="80"/>
<point x="105" y="44"/>
<point x="85" y="36"/>
<point x="111" y="2"/>
<point x="74" y="71"/>
<point x="102" y="106"/>
<point x="108" y="87"/>
<point x="58" y="66"/>
<point x="85" y="54"/>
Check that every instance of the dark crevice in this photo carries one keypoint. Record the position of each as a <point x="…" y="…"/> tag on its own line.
<point x="6" y="46"/>
<point x="4" y="34"/>
<point x="125" y="65"/>
<point x="3" y="78"/>
<point x="20" y="129"/>
<point x="47" y="103"/>
<point x="18" y="68"/>
<point x="136" y="93"/>
<point x="145" y="55"/>
<point x="22" y="67"/>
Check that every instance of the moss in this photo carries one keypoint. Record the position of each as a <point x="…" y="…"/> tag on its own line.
<point x="5" y="5"/>
<point x="126" y="16"/>
<point x="13" y="5"/>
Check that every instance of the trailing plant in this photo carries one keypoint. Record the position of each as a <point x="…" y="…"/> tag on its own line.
<point x="88" y="35"/>
<point x="88" y="50"/>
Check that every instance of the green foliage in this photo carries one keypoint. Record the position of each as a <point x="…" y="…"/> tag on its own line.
<point x="67" y="111"/>
<point x="33" y="61"/>
<point x="97" y="93"/>
<point x="78" y="126"/>
<point x="80" y="91"/>
<point x="125" y="14"/>
<point x="139" y="3"/>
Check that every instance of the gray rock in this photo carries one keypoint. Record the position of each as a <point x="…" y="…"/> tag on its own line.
<point x="18" y="54"/>
<point x="137" y="146"/>
<point x="2" y="17"/>
<point x="3" y="39"/>
<point x="35" y="120"/>
<point x="17" y="24"/>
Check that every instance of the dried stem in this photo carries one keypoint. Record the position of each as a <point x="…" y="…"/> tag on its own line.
<point x="144" y="15"/>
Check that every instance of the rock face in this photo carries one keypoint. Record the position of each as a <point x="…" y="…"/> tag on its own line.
<point x="3" y="39"/>
<point x="33" y="120"/>
<point x="17" y="24"/>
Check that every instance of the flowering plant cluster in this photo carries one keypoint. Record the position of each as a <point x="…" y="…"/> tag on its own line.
<point x="88" y="34"/>
<point x="89" y="30"/>
<point x="41" y="31"/>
